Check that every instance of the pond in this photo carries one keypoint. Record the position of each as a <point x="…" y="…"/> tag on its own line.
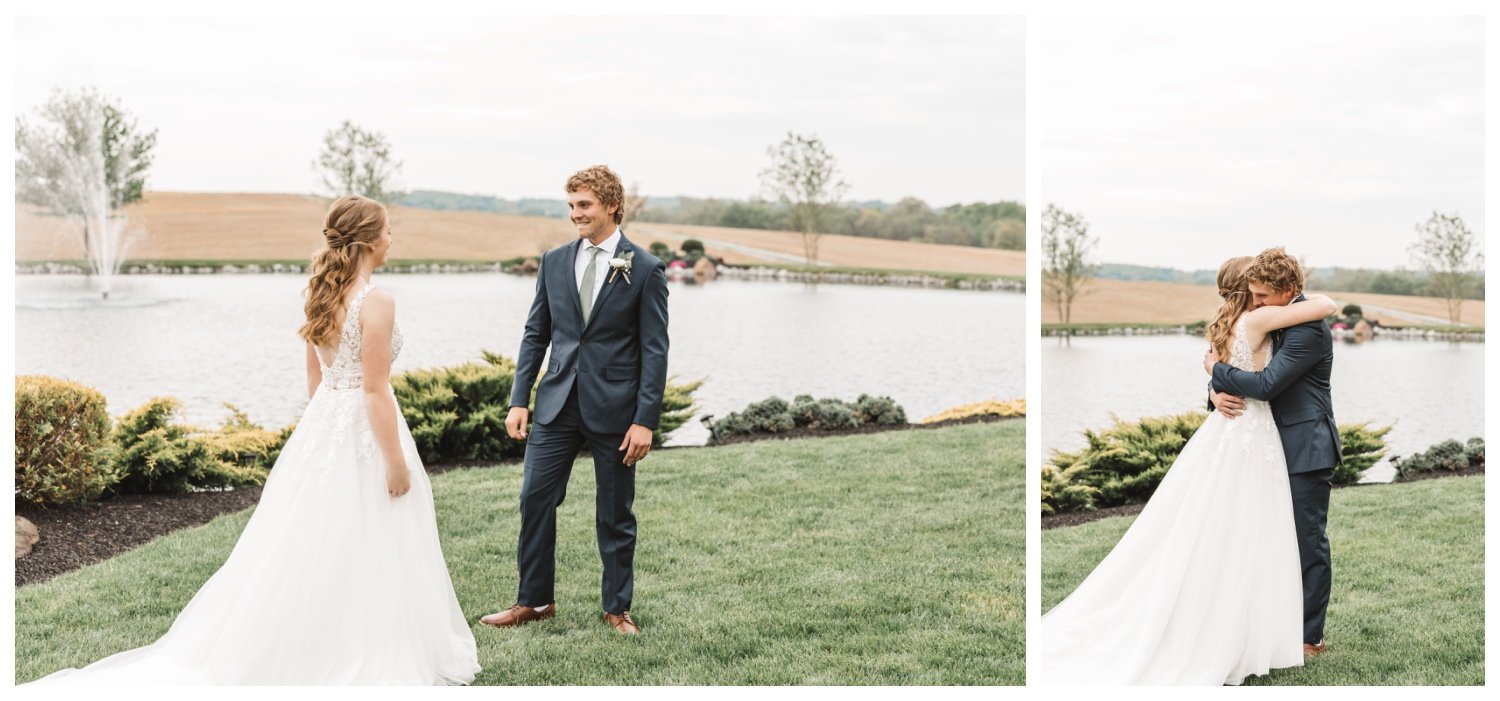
<point x="211" y="339"/>
<point x="1430" y="390"/>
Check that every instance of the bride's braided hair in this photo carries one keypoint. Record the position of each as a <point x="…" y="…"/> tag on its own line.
<point x="1234" y="289"/>
<point x="353" y="225"/>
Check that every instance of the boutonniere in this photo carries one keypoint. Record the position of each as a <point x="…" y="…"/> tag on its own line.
<point x="620" y="265"/>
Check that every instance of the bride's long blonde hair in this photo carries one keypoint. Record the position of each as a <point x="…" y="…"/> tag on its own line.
<point x="350" y="230"/>
<point x="1234" y="289"/>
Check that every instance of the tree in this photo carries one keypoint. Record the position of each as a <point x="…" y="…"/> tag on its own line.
<point x="1066" y="270"/>
<point x="1448" y="250"/>
<point x="805" y="178"/>
<point x="357" y="162"/>
<point x="634" y="203"/>
<point x="84" y="158"/>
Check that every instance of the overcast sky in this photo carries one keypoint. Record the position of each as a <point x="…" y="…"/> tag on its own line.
<point x="1184" y="141"/>
<point x="930" y="107"/>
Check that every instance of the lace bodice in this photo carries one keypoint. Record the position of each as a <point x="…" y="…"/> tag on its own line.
<point x="1241" y="355"/>
<point x="347" y="372"/>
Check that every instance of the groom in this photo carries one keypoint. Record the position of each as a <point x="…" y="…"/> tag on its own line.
<point x="1295" y="381"/>
<point x="601" y="304"/>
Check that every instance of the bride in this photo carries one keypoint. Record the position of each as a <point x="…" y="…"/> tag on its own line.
<point x="1205" y="587"/>
<point x="338" y="578"/>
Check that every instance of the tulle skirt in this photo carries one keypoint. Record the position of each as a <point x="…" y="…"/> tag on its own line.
<point x="1205" y="587"/>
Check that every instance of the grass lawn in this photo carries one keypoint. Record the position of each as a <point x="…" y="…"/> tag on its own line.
<point x="1408" y="583"/>
<point x="889" y="558"/>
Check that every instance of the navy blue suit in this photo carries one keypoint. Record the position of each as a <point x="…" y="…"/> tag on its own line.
<point x="1296" y="382"/>
<point x="603" y="376"/>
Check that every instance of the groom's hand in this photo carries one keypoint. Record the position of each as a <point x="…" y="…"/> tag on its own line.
<point x="515" y="422"/>
<point x="1227" y="404"/>
<point x="636" y="444"/>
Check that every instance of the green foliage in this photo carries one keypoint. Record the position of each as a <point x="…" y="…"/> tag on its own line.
<point x="692" y="247"/>
<point x="159" y="456"/>
<point x="1124" y="463"/>
<point x="1064" y="490"/>
<point x="661" y="250"/>
<point x="775" y="415"/>
<point x="1353" y="310"/>
<point x="676" y="408"/>
<point x="458" y="413"/>
<point x="62" y="144"/>
<point x="1448" y="456"/>
<point x="63" y="453"/>
<point x="1362" y="447"/>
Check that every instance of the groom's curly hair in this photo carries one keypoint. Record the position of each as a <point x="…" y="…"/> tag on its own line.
<point x="1276" y="269"/>
<point x="604" y="183"/>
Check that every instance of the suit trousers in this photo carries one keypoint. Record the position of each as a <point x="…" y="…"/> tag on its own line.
<point x="550" y="452"/>
<point x="1310" y="510"/>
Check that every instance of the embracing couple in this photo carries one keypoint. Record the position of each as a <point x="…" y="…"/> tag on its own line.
<point x="1226" y="571"/>
<point x="339" y="577"/>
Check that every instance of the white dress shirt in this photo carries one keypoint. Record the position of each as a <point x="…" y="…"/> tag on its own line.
<point x="601" y="263"/>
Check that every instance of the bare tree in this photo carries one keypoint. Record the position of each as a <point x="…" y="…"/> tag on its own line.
<point x="1450" y="253"/>
<point x="83" y="158"/>
<point x="805" y="177"/>
<point x="357" y="162"/>
<point x="633" y="204"/>
<point x="1066" y="271"/>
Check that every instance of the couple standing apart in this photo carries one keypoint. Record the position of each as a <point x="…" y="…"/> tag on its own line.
<point x="1226" y="572"/>
<point x="339" y="576"/>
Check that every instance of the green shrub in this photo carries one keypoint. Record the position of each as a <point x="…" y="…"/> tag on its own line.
<point x="158" y="456"/>
<point x="661" y="250"/>
<point x="879" y="410"/>
<point x="244" y="443"/>
<point x="1124" y="463"/>
<point x="1062" y="490"/>
<point x="692" y="247"/>
<point x="458" y="413"/>
<point x="1362" y="447"/>
<point x="63" y="453"/>
<point x="775" y="415"/>
<point x="1448" y="456"/>
<point x="676" y="408"/>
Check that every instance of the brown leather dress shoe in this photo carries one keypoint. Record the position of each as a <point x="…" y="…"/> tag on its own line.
<point x="1311" y="650"/>
<point x="518" y="615"/>
<point x="622" y="623"/>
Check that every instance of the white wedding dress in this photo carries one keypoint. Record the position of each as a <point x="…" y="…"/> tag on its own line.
<point x="1205" y="587"/>
<point x="333" y="581"/>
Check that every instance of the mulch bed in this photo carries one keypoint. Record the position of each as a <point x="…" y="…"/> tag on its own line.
<point x="1076" y="518"/>
<point x="74" y="537"/>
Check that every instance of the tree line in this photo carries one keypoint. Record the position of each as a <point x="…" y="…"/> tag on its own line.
<point x="980" y="224"/>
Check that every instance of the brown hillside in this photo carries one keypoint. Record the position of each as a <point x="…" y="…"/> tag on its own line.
<point x="1144" y="302"/>
<point x="241" y="226"/>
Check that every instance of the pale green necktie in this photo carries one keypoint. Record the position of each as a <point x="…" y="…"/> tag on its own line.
<point x="586" y="289"/>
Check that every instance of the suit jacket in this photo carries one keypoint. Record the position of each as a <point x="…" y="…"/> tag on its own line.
<point x="1296" y="384"/>
<point x="618" y="360"/>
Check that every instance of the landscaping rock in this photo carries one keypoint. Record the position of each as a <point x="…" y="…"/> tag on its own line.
<point x="26" y="536"/>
